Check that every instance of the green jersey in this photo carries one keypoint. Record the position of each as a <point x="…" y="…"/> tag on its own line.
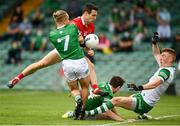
<point x="65" y="40"/>
<point x="95" y="101"/>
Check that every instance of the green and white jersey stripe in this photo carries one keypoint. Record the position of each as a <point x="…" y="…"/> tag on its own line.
<point x="166" y="74"/>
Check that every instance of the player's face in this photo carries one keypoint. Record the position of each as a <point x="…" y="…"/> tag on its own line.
<point x="91" y="17"/>
<point x="116" y="89"/>
<point x="165" y="58"/>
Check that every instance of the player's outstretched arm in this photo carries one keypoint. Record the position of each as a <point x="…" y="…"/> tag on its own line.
<point x="50" y="59"/>
<point x="111" y="115"/>
<point x="155" y="47"/>
<point x="149" y="85"/>
<point x="153" y="84"/>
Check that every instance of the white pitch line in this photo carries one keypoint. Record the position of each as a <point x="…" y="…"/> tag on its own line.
<point x="163" y="117"/>
<point x="137" y="120"/>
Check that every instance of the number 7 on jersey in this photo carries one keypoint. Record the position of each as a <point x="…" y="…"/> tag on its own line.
<point x="66" y="39"/>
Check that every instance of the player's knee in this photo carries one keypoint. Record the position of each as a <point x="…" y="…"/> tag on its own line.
<point x="116" y="100"/>
<point x="74" y="92"/>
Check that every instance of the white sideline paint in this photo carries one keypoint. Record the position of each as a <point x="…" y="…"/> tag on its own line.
<point x="137" y="120"/>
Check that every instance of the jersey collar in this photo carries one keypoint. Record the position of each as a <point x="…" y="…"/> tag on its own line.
<point x="60" y="27"/>
<point x="110" y="87"/>
<point x="82" y="20"/>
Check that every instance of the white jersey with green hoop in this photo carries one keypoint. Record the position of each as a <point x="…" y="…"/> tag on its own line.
<point x="152" y="96"/>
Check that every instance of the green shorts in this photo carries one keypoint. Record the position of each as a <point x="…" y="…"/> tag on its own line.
<point x="141" y="106"/>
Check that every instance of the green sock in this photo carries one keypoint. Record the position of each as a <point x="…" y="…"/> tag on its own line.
<point x="101" y="109"/>
<point x="77" y="97"/>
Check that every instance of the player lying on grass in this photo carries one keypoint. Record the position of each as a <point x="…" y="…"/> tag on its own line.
<point x="150" y="92"/>
<point x="86" y="26"/>
<point x="95" y="101"/>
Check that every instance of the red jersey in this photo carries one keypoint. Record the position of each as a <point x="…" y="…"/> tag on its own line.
<point x="84" y="29"/>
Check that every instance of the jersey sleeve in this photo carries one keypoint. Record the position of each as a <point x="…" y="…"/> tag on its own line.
<point x="164" y="74"/>
<point x="106" y="88"/>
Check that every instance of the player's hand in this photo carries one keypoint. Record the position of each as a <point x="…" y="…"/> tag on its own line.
<point x="90" y="52"/>
<point x="13" y="82"/>
<point x="132" y="87"/>
<point x="155" y="38"/>
<point x="97" y="91"/>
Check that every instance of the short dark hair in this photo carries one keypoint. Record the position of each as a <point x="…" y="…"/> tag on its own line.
<point x="89" y="7"/>
<point x="116" y="81"/>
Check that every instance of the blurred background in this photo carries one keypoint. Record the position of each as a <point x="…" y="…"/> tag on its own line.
<point x="124" y="28"/>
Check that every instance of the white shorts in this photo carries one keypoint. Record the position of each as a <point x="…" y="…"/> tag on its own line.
<point x="75" y="69"/>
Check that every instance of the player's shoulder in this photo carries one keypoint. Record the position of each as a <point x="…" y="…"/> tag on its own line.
<point x="72" y="26"/>
<point x="76" y="20"/>
<point x="101" y="83"/>
<point x="53" y="33"/>
<point x="168" y="69"/>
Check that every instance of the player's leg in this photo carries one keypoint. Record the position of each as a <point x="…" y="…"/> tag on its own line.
<point x="84" y="94"/>
<point x="84" y="89"/>
<point x="50" y="59"/>
<point x="109" y="115"/>
<point x="125" y="102"/>
<point x="93" y="79"/>
<point x="73" y="85"/>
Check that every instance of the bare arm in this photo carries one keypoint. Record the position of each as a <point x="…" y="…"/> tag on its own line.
<point x="114" y="110"/>
<point x="156" y="52"/>
<point x="81" y="39"/>
<point x="110" y="114"/>
<point x="155" y="47"/>
<point x="153" y="84"/>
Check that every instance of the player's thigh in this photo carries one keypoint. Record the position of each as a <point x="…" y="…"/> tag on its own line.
<point x="82" y="71"/>
<point x="51" y="58"/>
<point x="84" y="82"/>
<point x="73" y="85"/>
<point x="125" y="102"/>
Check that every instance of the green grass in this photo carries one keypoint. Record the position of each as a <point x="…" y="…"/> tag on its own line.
<point x="22" y="107"/>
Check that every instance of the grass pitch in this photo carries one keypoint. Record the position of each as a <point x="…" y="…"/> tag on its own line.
<point x="22" y="107"/>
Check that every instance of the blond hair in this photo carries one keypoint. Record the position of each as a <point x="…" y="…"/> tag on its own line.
<point x="170" y="51"/>
<point x="60" y="16"/>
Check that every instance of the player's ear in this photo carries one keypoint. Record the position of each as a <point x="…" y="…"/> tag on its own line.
<point x="86" y="13"/>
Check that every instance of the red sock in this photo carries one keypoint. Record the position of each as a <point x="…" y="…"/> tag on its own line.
<point x="94" y="86"/>
<point x="20" y="76"/>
